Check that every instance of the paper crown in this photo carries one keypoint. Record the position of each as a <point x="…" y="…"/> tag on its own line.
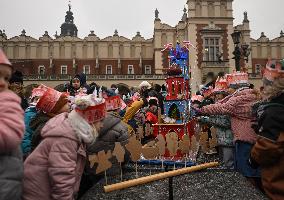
<point x="48" y="100"/>
<point x="221" y="85"/>
<point x="237" y="79"/>
<point x="207" y="91"/>
<point x="3" y="59"/>
<point x="274" y="69"/>
<point x="113" y="103"/>
<point x="198" y="98"/>
<point x="91" y="108"/>
<point x="39" y="91"/>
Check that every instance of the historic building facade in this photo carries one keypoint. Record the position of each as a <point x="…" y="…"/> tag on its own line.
<point x="207" y="24"/>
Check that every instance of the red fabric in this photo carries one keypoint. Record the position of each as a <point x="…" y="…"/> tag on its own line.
<point x="150" y="117"/>
<point x="12" y="125"/>
<point x="54" y="169"/>
<point x="239" y="107"/>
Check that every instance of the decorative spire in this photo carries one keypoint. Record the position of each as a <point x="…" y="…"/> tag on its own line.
<point x="245" y="17"/>
<point x="281" y="33"/>
<point x="68" y="27"/>
<point x="69" y="5"/>
<point x="157" y="14"/>
<point x="115" y="32"/>
<point x="23" y="32"/>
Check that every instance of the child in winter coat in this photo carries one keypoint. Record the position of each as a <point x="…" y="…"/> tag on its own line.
<point x="11" y="133"/>
<point x="49" y="105"/>
<point x="113" y="130"/>
<point x="30" y="113"/>
<point x="268" y="152"/>
<point x="239" y="107"/>
<point x="54" y="168"/>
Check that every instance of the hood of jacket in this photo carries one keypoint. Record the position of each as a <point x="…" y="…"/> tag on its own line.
<point x="109" y="122"/>
<point x="69" y="125"/>
<point x="58" y="126"/>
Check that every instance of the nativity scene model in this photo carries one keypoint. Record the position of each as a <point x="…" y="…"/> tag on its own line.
<point x="174" y="141"/>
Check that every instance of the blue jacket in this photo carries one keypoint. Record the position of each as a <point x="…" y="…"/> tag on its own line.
<point x="222" y="123"/>
<point x="26" y="143"/>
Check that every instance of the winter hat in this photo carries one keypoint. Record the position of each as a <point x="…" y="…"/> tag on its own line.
<point x="145" y="84"/>
<point x="3" y="59"/>
<point x="52" y="101"/>
<point x="17" y="77"/>
<point x="90" y="107"/>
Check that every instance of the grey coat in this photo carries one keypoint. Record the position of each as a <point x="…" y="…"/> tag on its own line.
<point x="11" y="175"/>
<point x="113" y="130"/>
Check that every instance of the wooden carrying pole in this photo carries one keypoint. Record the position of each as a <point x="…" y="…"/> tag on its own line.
<point x="156" y="177"/>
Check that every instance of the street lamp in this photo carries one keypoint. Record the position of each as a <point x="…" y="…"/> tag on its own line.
<point x="237" y="52"/>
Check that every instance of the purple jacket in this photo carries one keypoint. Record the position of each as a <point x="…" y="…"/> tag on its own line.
<point x="54" y="169"/>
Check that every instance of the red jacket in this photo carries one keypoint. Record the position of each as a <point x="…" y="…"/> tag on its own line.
<point x="239" y="108"/>
<point x="152" y="118"/>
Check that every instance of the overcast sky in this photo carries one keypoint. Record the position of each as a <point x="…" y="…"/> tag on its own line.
<point x="127" y="16"/>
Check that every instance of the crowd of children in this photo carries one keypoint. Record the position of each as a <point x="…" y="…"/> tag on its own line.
<point x="57" y="130"/>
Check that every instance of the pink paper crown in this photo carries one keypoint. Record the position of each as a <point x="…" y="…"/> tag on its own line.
<point x="274" y="69"/>
<point x="113" y="103"/>
<point x="221" y="85"/>
<point x="93" y="113"/>
<point x="39" y="91"/>
<point x="48" y="100"/>
<point x="237" y="78"/>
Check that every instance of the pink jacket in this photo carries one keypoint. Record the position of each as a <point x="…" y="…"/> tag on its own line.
<point x="239" y="107"/>
<point x="12" y="125"/>
<point x="54" y="169"/>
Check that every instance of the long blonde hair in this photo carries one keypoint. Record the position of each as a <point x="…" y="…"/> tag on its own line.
<point x="274" y="90"/>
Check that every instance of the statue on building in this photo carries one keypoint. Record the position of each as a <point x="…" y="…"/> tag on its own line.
<point x="156" y="14"/>
<point x="245" y="17"/>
